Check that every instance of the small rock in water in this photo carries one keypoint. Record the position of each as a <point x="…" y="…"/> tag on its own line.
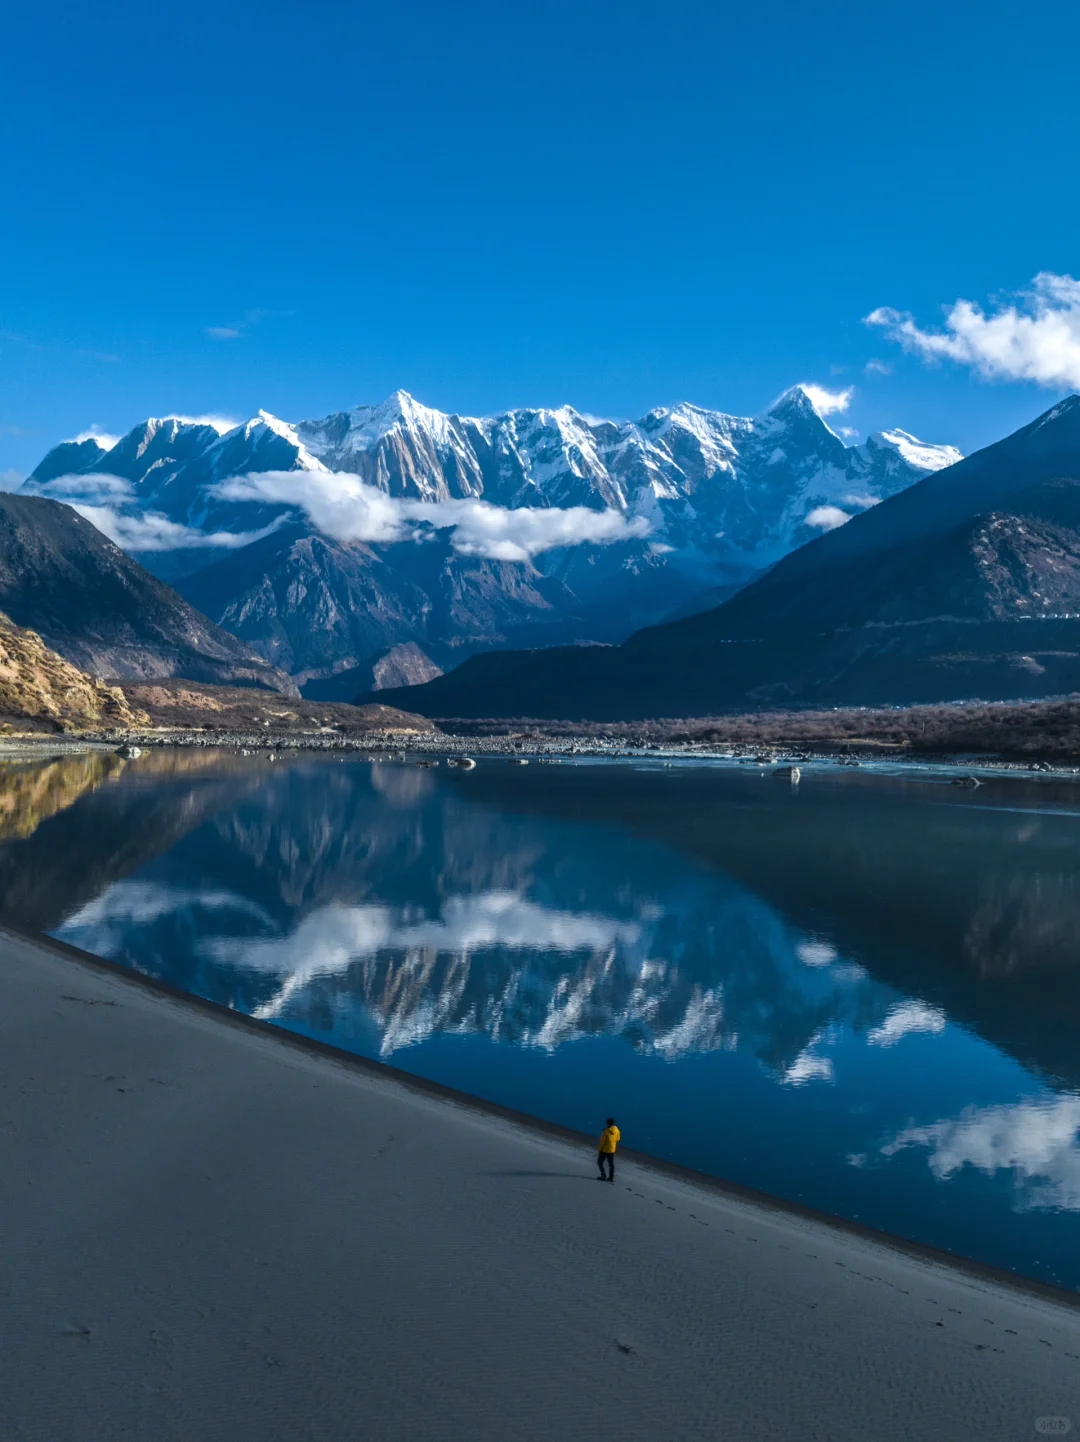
<point x="129" y="753"/>
<point x="788" y="773"/>
<point x="519" y="761"/>
<point x="969" y="783"/>
<point x="465" y="763"/>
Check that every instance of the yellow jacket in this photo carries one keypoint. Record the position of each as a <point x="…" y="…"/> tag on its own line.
<point x="610" y="1139"/>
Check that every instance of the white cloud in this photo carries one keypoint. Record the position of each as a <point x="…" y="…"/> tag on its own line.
<point x="11" y="479"/>
<point x="827" y="402"/>
<point x="815" y="953"/>
<point x="1036" y="1140"/>
<point x="104" y="439"/>
<point x="98" y="486"/>
<point x="827" y="518"/>
<point x="877" y="368"/>
<point x="221" y="424"/>
<point x="151" y="531"/>
<point x="1034" y="338"/>
<point x="808" y="1068"/>
<point x="847" y="433"/>
<point x="141" y="903"/>
<point x="238" y="328"/>
<point x="101" y="499"/>
<point x="344" y="506"/>
<point x="905" y="1018"/>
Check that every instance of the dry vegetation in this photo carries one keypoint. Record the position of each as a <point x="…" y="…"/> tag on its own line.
<point x="41" y="691"/>
<point x="193" y="705"/>
<point x="1028" y="730"/>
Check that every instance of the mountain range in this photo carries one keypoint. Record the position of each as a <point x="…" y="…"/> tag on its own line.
<point x="324" y="546"/>
<point x="965" y="584"/>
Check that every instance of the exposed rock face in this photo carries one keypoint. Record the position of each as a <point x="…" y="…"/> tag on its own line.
<point x="315" y="606"/>
<point x="39" y="687"/>
<point x="401" y="665"/>
<point x="100" y="610"/>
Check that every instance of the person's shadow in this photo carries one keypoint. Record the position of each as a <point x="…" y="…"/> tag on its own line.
<point x="569" y="1176"/>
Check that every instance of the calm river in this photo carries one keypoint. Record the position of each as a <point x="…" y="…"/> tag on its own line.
<point x="862" y="993"/>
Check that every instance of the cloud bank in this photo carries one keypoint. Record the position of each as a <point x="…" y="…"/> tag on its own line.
<point x="343" y="506"/>
<point x="108" y="502"/>
<point x="1034" y="338"/>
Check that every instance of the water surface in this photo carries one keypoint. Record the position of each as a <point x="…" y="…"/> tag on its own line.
<point x="862" y="993"/>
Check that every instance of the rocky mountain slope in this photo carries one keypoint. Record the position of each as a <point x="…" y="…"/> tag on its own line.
<point x="406" y="548"/>
<point x="965" y="585"/>
<point x="194" y="705"/>
<point x="39" y="690"/>
<point x="101" y="611"/>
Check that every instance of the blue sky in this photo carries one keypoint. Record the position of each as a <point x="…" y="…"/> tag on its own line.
<point x="217" y="207"/>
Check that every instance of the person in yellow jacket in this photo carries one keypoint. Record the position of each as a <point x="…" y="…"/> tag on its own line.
<point x="609" y="1140"/>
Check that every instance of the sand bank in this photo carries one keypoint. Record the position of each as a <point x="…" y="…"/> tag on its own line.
<point x="207" y="1233"/>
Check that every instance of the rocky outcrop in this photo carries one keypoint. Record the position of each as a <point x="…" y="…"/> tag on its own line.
<point x="39" y="690"/>
<point x="187" y="704"/>
<point x="402" y="665"/>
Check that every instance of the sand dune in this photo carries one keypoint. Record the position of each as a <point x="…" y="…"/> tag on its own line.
<point x="207" y="1232"/>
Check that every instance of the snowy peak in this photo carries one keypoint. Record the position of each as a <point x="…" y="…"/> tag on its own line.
<point x="921" y="455"/>
<point x="365" y="426"/>
<point x="794" y="404"/>
<point x="263" y="430"/>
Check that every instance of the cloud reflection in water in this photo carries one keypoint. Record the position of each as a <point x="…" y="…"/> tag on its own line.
<point x="1036" y="1140"/>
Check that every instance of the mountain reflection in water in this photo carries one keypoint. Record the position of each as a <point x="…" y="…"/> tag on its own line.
<point x="861" y="993"/>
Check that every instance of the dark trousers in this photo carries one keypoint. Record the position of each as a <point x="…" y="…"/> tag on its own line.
<point x="609" y="1157"/>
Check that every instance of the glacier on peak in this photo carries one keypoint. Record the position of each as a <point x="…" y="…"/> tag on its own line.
<point x="534" y="522"/>
<point x="920" y="454"/>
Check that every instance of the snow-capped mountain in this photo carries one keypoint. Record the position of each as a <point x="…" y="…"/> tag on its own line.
<point x="685" y="502"/>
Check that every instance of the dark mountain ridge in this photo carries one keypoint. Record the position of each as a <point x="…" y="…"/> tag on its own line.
<point x="96" y="607"/>
<point x="965" y="585"/>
